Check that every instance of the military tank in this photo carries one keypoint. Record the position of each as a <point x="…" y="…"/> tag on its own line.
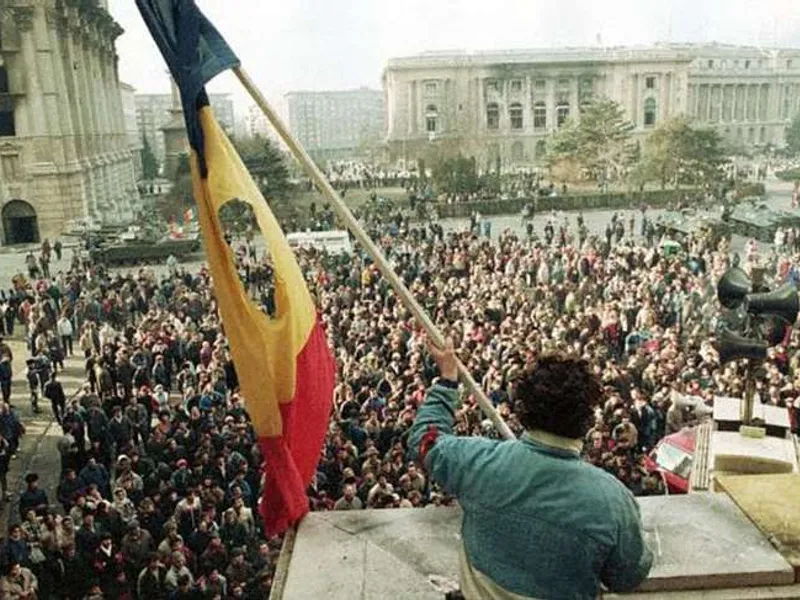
<point x="683" y="224"/>
<point x="148" y="243"/>
<point x="758" y="221"/>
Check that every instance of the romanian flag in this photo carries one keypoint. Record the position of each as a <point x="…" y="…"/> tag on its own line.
<point x="284" y="364"/>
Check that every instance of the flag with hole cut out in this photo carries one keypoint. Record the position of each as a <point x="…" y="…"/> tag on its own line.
<point x="284" y="364"/>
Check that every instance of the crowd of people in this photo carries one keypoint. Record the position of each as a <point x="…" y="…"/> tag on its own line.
<point x="362" y="174"/>
<point x="159" y="471"/>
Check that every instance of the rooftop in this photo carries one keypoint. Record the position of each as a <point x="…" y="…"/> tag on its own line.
<point x="599" y="54"/>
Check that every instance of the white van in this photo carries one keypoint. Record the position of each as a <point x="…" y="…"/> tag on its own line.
<point x="333" y="242"/>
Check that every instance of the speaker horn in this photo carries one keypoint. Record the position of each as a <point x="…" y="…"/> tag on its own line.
<point x="733" y="287"/>
<point x="772" y="329"/>
<point x="732" y="346"/>
<point x="782" y="302"/>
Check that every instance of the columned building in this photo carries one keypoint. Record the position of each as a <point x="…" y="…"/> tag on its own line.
<point x="503" y="106"/>
<point x="64" y="152"/>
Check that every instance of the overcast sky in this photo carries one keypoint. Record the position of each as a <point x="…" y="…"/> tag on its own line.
<point x="329" y="44"/>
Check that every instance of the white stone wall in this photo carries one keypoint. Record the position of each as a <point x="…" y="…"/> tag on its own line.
<point x="70" y="157"/>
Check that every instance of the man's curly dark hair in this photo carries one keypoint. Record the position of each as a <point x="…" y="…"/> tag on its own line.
<point x="559" y="395"/>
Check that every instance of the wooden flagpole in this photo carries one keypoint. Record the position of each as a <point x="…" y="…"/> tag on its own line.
<point x="366" y="242"/>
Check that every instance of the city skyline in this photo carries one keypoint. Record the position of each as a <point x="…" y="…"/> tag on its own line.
<point x="345" y="47"/>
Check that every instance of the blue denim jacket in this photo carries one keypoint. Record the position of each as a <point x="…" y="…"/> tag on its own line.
<point x="538" y="520"/>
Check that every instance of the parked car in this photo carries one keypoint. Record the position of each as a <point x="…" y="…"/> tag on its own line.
<point x="674" y="457"/>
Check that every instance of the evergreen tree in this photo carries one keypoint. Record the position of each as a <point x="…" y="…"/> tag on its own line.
<point x="149" y="162"/>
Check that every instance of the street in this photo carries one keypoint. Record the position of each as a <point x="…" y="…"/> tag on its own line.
<point x="37" y="450"/>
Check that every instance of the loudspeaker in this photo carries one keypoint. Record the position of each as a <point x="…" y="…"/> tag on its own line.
<point x="733" y="287"/>
<point x="772" y="329"/>
<point x="732" y="346"/>
<point x="782" y="302"/>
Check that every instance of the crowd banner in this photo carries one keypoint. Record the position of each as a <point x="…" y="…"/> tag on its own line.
<point x="284" y="364"/>
<point x="349" y="220"/>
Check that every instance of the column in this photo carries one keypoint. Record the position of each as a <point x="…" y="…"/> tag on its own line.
<point x="62" y="94"/>
<point x="99" y="99"/>
<point x="36" y="112"/>
<point x="757" y="90"/>
<point x="481" y="105"/>
<point x="552" y="83"/>
<point x="79" y="43"/>
<point x="574" y="100"/>
<point x="527" y="105"/>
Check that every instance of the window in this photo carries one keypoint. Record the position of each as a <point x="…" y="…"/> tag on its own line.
<point x="516" y="85"/>
<point x="751" y="135"/>
<point x="789" y="64"/>
<point x="650" y="83"/>
<point x="515" y="114"/>
<point x="762" y="135"/>
<point x="541" y="149"/>
<point x="493" y="85"/>
<point x="747" y="64"/>
<point x="711" y="63"/>
<point x="562" y="113"/>
<point x="649" y="112"/>
<point x="539" y="115"/>
<point x="7" y="126"/>
<point x="492" y="116"/>
<point x="431" y="119"/>
<point x="430" y="88"/>
<point x="540" y="87"/>
<point x="517" y="151"/>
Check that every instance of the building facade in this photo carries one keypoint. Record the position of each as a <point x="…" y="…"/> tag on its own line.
<point x="128" y="93"/>
<point x="337" y="124"/>
<point x="64" y="152"/>
<point x="154" y="112"/>
<point x="503" y="106"/>
<point x="255" y="123"/>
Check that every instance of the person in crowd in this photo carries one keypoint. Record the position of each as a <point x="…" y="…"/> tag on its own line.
<point x="54" y="391"/>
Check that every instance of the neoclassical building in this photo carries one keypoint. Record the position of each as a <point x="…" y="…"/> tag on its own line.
<point x="505" y="105"/>
<point x="64" y="153"/>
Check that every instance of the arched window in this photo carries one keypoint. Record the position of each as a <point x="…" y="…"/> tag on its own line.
<point x="562" y="113"/>
<point x="431" y="118"/>
<point x="650" y="112"/>
<point x="515" y="114"/>
<point x="492" y="116"/>
<point x="7" y="126"/>
<point x="541" y="149"/>
<point x="517" y="151"/>
<point x="540" y="115"/>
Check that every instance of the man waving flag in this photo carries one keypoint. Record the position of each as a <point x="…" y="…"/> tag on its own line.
<point x="284" y="364"/>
